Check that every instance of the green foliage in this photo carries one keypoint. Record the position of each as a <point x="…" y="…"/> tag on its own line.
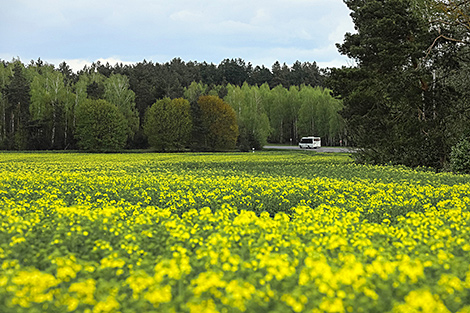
<point x="460" y="157"/>
<point x="318" y="114"/>
<point x="100" y="126"/>
<point x="282" y="114"/>
<point x="47" y="118"/>
<point x="399" y="107"/>
<point x="168" y="124"/>
<point x="451" y="17"/>
<point x="5" y="76"/>
<point x="51" y="110"/>
<point x="16" y="110"/>
<point x="219" y="124"/>
<point x="194" y="91"/>
<point x="234" y="71"/>
<point x="248" y="103"/>
<point x="279" y="99"/>
<point x="95" y="90"/>
<point x="90" y="85"/>
<point x="117" y="92"/>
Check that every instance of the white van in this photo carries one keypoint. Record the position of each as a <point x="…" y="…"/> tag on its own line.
<point x="310" y="143"/>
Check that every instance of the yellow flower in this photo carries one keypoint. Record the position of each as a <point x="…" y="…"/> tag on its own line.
<point x="109" y="305"/>
<point x="421" y="301"/>
<point x="157" y="295"/>
<point x="332" y="305"/>
<point x="205" y="306"/>
<point x="206" y="281"/>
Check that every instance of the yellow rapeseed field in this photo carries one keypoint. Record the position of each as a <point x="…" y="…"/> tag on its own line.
<point x="254" y="232"/>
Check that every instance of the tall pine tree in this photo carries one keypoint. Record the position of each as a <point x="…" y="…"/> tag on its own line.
<point x="17" y="109"/>
<point x="391" y="104"/>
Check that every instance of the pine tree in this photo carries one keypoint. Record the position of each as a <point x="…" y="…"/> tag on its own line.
<point x="17" y="110"/>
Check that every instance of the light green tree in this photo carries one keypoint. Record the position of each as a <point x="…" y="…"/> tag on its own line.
<point x="308" y="112"/>
<point x="276" y="112"/>
<point x="253" y="122"/>
<point x="194" y="91"/>
<point x="293" y="106"/>
<point x="117" y="92"/>
<point x="81" y="94"/>
<point x="51" y="102"/>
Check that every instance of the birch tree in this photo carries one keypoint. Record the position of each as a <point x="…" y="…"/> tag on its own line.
<point x="51" y="102"/>
<point x="117" y="92"/>
<point x="253" y="122"/>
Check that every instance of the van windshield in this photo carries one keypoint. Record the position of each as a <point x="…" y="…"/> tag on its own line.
<point x="306" y="140"/>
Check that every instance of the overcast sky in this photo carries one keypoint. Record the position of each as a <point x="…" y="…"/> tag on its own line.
<point x="258" y="31"/>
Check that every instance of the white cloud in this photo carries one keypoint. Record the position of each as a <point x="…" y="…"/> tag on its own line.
<point x="342" y="27"/>
<point x="261" y="16"/>
<point x="206" y="30"/>
<point x="338" y="62"/>
<point x="186" y="16"/>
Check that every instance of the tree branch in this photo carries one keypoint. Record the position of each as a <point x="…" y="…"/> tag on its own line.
<point x="428" y="51"/>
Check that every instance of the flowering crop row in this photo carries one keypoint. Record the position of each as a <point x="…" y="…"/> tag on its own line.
<point x="263" y="232"/>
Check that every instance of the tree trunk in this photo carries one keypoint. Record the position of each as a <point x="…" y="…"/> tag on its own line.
<point x="54" y="118"/>
<point x="4" y="125"/>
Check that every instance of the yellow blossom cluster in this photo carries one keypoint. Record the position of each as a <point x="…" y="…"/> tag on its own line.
<point x="263" y="232"/>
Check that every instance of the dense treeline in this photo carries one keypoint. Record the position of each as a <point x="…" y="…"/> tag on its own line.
<point x="284" y="115"/>
<point x="104" y="107"/>
<point x="408" y="99"/>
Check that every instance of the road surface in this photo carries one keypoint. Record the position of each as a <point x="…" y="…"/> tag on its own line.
<point x="322" y="149"/>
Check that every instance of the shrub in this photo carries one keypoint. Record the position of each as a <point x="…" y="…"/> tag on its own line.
<point x="460" y="157"/>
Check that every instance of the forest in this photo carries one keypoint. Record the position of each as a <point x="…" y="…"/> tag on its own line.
<point x="105" y="107"/>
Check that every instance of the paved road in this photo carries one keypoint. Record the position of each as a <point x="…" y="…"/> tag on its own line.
<point x="322" y="149"/>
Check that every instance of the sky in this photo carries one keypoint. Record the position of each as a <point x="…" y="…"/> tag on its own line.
<point x="262" y="32"/>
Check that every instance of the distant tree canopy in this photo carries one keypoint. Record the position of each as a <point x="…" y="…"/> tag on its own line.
<point x="42" y="107"/>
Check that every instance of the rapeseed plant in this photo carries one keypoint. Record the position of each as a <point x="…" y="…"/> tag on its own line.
<point x="229" y="233"/>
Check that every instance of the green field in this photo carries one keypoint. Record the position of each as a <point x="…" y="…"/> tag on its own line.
<point x="241" y="232"/>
